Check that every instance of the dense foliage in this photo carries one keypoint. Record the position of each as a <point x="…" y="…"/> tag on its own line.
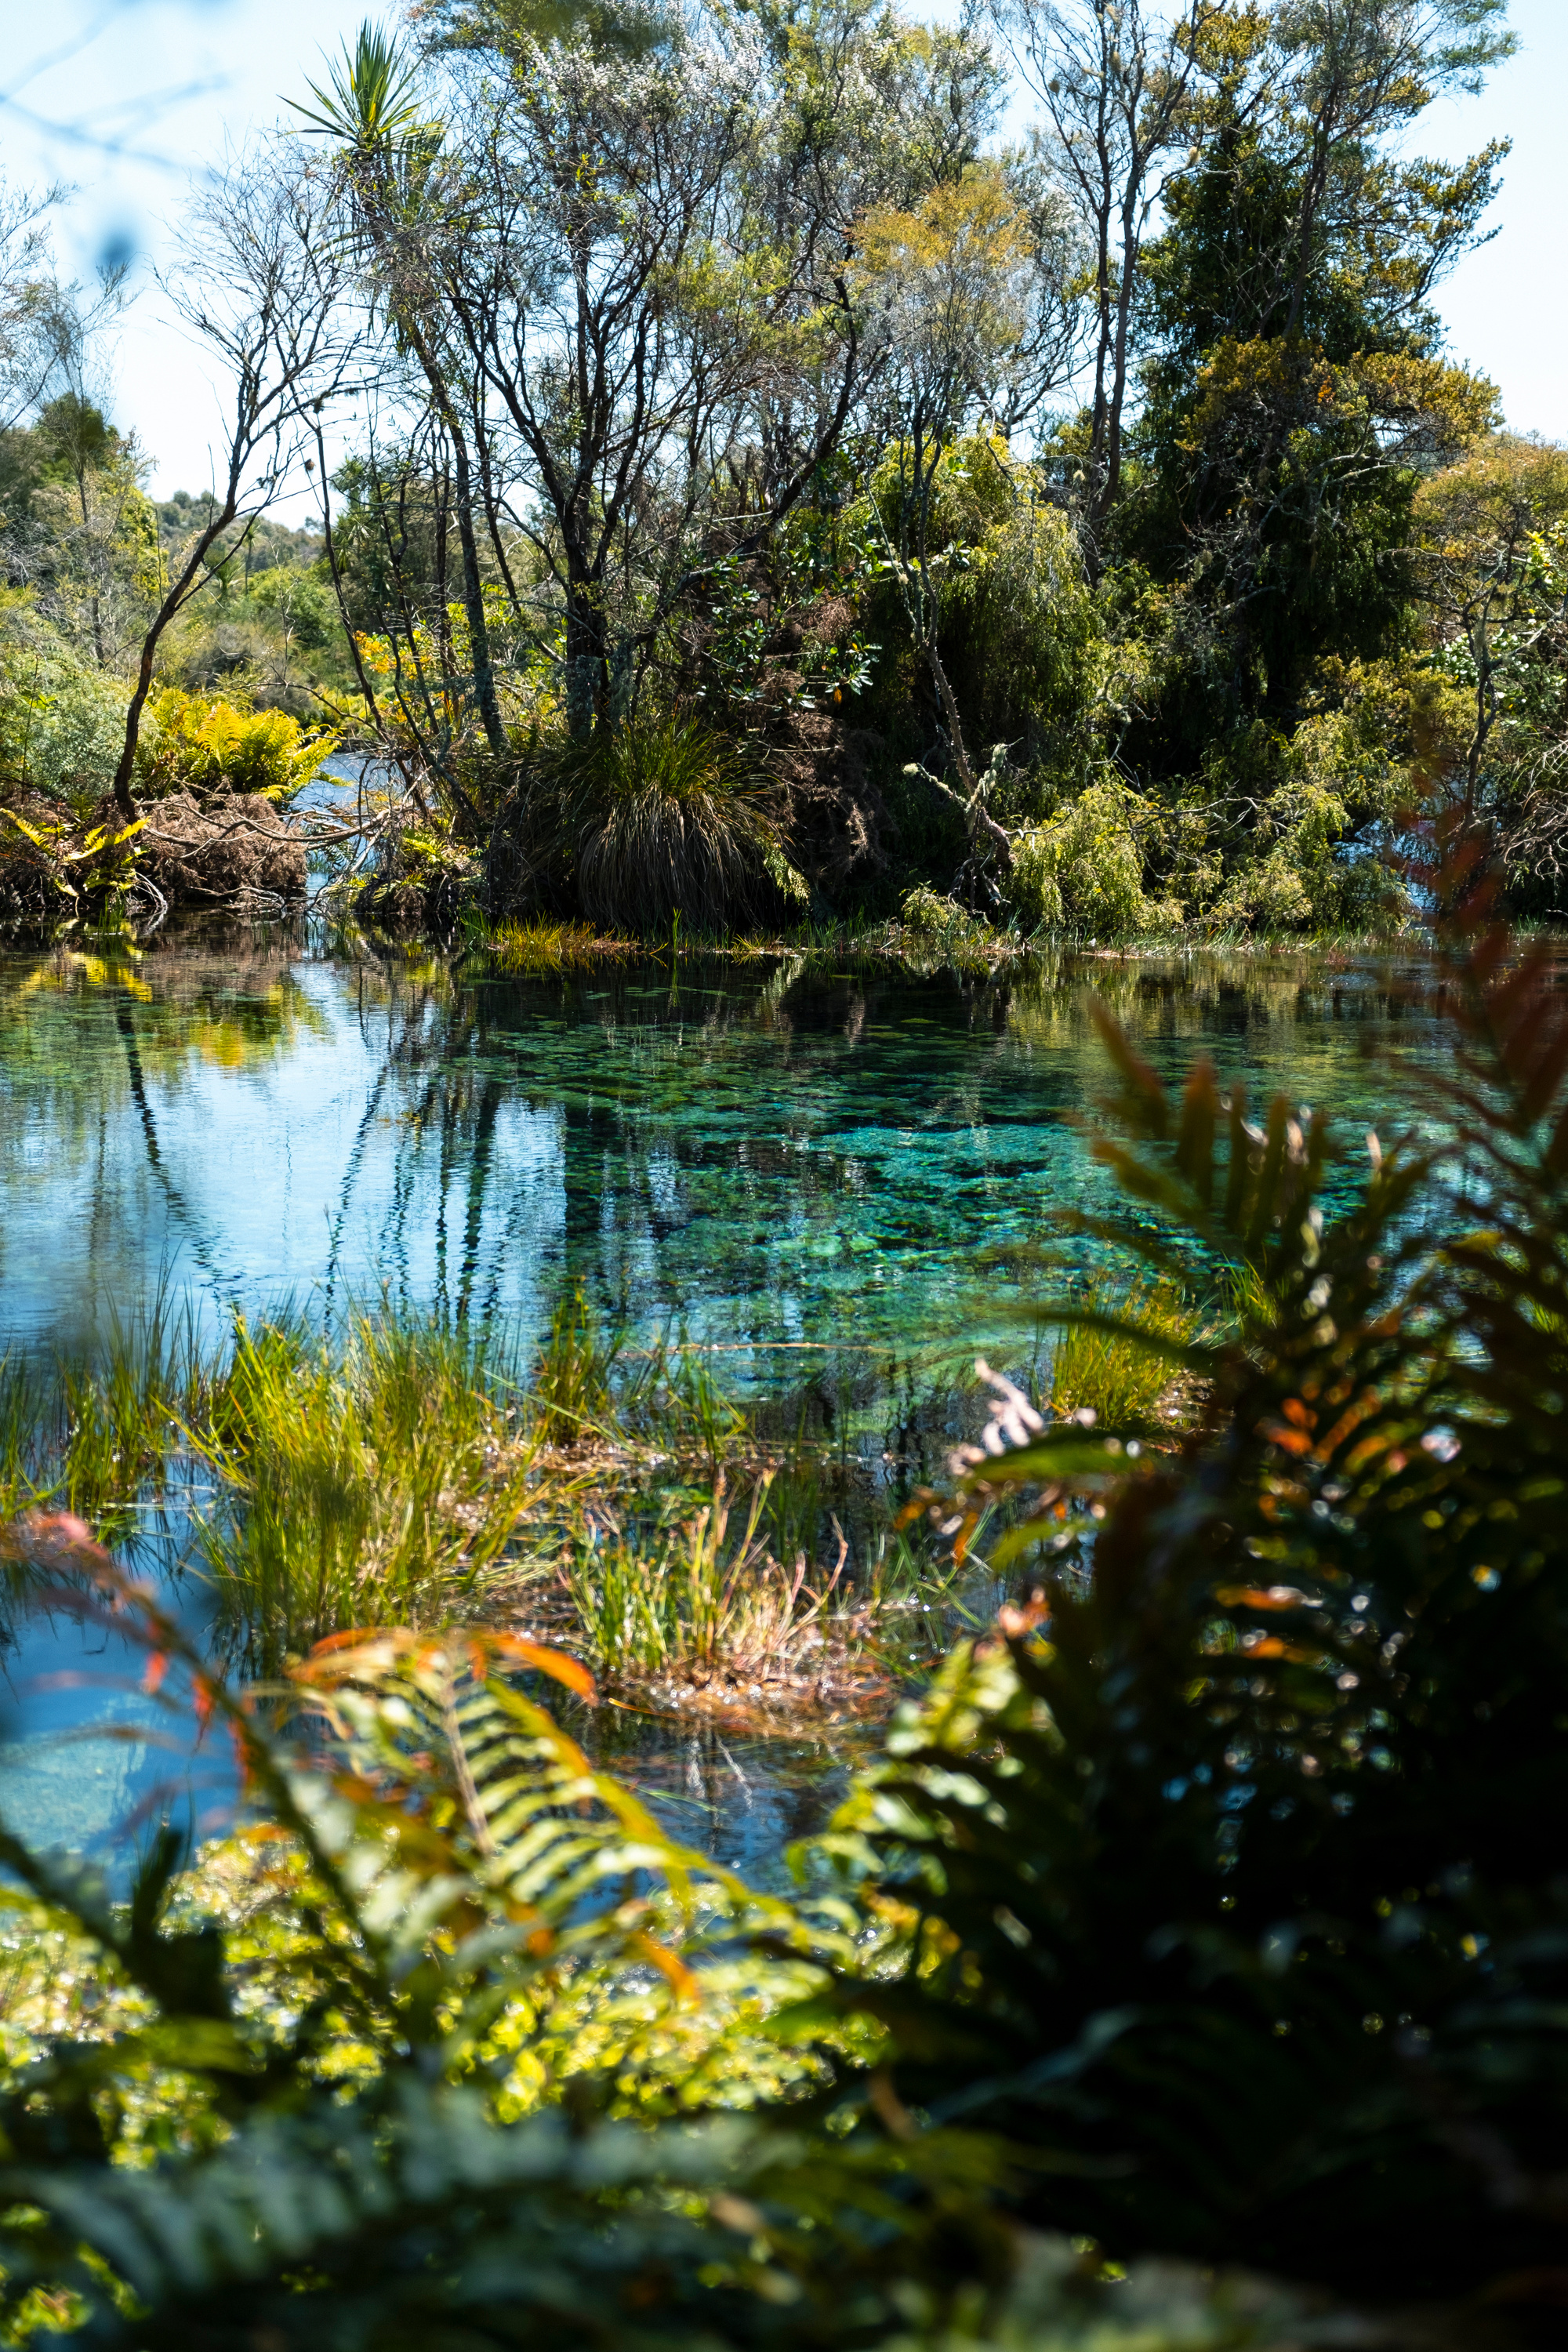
<point x="1089" y="534"/>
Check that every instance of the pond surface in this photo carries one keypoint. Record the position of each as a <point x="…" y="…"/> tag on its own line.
<point x="784" y="1161"/>
<point x="772" y="1157"/>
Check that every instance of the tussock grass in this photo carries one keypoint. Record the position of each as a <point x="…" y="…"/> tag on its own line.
<point x="1118" y="1362"/>
<point x="545" y="946"/>
<point x="660" y="819"/>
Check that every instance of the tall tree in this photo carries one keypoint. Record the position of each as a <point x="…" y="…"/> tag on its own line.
<point x="262" y="284"/>
<point x="642" y="298"/>
<point x="1294" y="386"/>
<point x="395" y="191"/>
<point x="965" y="300"/>
<point x="1113" y="78"/>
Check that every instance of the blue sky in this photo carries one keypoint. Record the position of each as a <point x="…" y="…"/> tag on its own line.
<point x="124" y="96"/>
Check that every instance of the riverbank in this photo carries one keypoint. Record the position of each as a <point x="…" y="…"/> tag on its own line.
<point x="934" y="935"/>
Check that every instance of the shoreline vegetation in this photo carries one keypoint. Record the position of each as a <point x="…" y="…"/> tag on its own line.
<point x="1197" y="1926"/>
<point x="917" y="558"/>
<point x="708" y="1561"/>
<point x="937" y="939"/>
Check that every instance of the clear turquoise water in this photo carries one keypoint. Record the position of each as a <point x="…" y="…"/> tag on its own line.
<point x="784" y="1162"/>
<point x="770" y="1157"/>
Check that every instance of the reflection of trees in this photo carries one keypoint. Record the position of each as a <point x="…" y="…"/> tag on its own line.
<point x="82" y="1034"/>
<point x="718" y="1142"/>
<point x="58" y="1012"/>
<point x="685" y="1106"/>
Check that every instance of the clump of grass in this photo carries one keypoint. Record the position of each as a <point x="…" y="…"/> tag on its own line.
<point x="705" y="1617"/>
<point x="665" y="819"/>
<point x="123" y="1406"/>
<point x="1120" y="1362"/>
<point x="372" y="1485"/>
<point x="22" y="1411"/>
<point x="571" y="1395"/>
<point x="544" y="945"/>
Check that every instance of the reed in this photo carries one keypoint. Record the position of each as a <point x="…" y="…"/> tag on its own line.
<point x="543" y="946"/>
<point x="1119" y="1360"/>
<point x="372" y="1484"/>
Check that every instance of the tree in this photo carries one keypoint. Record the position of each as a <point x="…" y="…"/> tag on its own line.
<point x="392" y="184"/>
<point x="641" y="301"/>
<point x="95" y="556"/>
<point x="1490" y="553"/>
<point x="262" y="286"/>
<point x="965" y="304"/>
<point x="1114" y="84"/>
<point x="1295" y="391"/>
<point x="1348" y="73"/>
<point x="29" y="302"/>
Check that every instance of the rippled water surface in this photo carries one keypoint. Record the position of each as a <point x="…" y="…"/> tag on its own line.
<point x="773" y="1157"/>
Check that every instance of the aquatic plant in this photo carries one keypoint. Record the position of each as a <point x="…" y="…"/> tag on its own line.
<point x="699" y="1614"/>
<point x="398" y="1470"/>
<point x="372" y="1481"/>
<point x="1118" y="1362"/>
<point x="543" y="944"/>
<point x="571" y="1392"/>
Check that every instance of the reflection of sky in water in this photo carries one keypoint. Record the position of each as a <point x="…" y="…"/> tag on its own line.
<point x="88" y="1759"/>
<point x="763" y="1159"/>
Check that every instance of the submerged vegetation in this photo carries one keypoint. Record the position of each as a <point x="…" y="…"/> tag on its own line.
<point x="942" y="538"/>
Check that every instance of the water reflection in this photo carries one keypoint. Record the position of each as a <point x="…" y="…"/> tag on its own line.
<point x="770" y="1158"/>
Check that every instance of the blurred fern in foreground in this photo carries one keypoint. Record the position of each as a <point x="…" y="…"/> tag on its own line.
<point x="1237" y="1871"/>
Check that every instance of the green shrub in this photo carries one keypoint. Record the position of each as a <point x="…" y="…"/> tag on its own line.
<point x="950" y="933"/>
<point x="62" y="724"/>
<point x="1082" y="871"/>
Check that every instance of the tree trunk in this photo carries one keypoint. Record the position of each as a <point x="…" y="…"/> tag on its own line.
<point x="978" y="821"/>
<point x="587" y="675"/>
<point x="474" y="605"/>
<point x="215" y="525"/>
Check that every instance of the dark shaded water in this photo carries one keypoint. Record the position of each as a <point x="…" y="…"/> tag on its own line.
<point x="786" y="1162"/>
